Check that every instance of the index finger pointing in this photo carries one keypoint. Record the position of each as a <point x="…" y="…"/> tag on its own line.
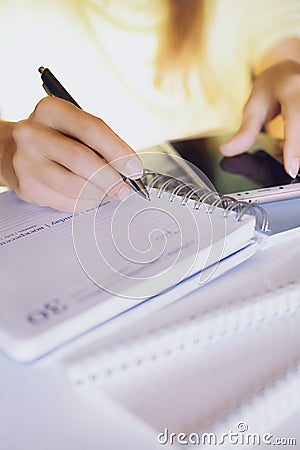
<point x="291" y="150"/>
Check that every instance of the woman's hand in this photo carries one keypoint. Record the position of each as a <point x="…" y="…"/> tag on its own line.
<point x="275" y="91"/>
<point x="49" y="157"/>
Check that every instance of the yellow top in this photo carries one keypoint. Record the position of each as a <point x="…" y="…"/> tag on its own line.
<point x="103" y="52"/>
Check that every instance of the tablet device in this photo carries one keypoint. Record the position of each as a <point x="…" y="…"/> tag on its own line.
<point x="255" y="176"/>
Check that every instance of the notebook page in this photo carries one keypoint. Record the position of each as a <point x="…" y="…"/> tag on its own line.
<point x="49" y="297"/>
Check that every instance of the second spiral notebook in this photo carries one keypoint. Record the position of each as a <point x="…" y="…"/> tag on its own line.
<point x="67" y="274"/>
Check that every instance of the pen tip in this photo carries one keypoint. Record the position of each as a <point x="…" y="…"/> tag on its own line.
<point x="41" y="69"/>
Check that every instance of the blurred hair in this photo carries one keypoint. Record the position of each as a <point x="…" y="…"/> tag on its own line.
<point x="181" y="36"/>
<point x="181" y="44"/>
<point x="181" y="47"/>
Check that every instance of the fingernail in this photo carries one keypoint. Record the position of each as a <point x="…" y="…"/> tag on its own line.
<point x="123" y="193"/>
<point x="294" y="168"/>
<point x="133" y="168"/>
<point x="224" y="149"/>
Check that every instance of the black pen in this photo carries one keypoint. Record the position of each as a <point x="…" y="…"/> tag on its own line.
<point x="53" y="87"/>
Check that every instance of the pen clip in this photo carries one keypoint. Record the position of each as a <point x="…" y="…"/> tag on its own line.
<point x="47" y="90"/>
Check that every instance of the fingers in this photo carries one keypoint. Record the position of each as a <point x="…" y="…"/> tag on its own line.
<point x="258" y="109"/>
<point x="91" y="131"/>
<point x="60" y="147"/>
<point x="291" y="146"/>
<point x="62" y="181"/>
<point x="62" y="163"/>
<point x="288" y="93"/>
<point x="58" y="188"/>
<point x="38" y="193"/>
<point x="275" y="91"/>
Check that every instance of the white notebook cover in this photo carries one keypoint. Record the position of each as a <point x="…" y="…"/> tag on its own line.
<point x="55" y="286"/>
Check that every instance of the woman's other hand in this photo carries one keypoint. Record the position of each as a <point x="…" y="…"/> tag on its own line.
<point x="276" y="90"/>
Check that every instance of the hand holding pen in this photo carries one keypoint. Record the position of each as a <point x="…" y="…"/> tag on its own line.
<point x="54" y="88"/>
<point x="50" y="156"/>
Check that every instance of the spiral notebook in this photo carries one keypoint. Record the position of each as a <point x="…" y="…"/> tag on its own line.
<point x="188" y="365"/>
<point x="64" y="275"/>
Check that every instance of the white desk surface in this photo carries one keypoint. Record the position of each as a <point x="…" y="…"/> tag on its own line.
<point x="39" y="410"/>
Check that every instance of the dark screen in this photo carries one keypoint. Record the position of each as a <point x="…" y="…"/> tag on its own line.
<point x="255" y="169"/>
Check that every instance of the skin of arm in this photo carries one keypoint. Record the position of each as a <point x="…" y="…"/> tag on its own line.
<point x="48" y="158"/>
<point x="276" y="91"/>
<point x="6" y="150"/>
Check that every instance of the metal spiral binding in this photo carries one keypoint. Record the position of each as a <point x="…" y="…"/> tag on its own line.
<point x="165" y="184"/>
